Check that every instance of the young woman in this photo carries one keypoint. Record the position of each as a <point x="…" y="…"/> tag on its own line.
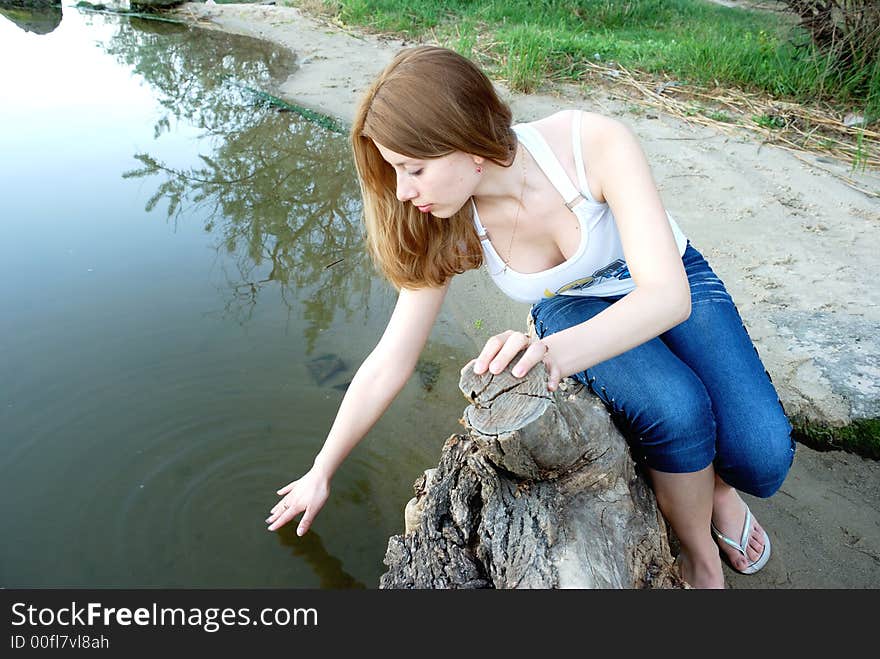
<point x="565" y="214"/>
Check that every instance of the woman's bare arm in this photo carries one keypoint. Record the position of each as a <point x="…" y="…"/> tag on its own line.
<point x="661" y="299"/>
<point x="383" y="373"/>
<point x="375" y="385"/>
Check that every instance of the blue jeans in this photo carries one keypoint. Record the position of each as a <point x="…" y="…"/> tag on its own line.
<point x="697" y="394"/>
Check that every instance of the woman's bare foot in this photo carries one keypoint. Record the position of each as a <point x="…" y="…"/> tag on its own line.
<point x="700" y="573"/>
<point x="728" y="516"/>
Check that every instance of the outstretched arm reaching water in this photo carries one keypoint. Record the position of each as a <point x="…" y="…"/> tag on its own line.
<point x="375" y="385"/>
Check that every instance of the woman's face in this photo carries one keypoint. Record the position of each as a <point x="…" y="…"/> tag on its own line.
<point x="440" y="186"/>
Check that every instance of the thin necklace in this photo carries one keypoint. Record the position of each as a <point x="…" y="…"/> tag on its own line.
<point x="516" y="218"/>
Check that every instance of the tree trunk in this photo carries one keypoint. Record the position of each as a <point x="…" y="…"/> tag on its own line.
<point x="540" y="493"/>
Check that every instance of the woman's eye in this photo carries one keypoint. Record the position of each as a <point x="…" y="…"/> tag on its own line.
<point x="416" y="172"/>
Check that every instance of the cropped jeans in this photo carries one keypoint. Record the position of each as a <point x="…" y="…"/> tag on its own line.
<point x="697" y="394"/>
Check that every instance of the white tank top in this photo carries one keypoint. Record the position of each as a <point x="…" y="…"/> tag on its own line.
<point x="598" y="267"/>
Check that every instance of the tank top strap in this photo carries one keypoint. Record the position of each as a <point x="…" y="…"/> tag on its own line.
<point x="481" y="232"/>
<point x="578" y="150"/>
<point x="549" y="163"/>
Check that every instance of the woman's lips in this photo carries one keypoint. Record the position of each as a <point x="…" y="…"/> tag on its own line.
<point x="424" y="208"/>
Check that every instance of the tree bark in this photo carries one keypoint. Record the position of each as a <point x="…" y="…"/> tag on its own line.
<point x="541" y="492"/>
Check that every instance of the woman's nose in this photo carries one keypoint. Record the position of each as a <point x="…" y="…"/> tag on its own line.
<point x="405" y="189"/>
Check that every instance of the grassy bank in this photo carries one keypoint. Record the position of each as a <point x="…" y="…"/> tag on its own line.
<point x="691" y="39"/>
<point x="696" y="43"/>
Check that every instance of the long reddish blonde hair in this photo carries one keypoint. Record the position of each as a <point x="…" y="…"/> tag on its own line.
<point x="427" y="103"/>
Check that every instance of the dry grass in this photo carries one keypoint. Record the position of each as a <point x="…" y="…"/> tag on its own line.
<point x="801" y="129"/>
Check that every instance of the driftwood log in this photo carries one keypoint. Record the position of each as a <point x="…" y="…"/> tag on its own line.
<point x="541" y="492"/>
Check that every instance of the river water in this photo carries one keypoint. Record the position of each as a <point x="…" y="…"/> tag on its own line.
<point x="184" y="297"/>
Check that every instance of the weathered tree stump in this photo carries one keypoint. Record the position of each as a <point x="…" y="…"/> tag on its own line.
<point x="540" y="493"/>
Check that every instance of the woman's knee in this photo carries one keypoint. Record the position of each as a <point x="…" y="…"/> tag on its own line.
<point x="761" y="465"/>
<point x="671" y="429"/>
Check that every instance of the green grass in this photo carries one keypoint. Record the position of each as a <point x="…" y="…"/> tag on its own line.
<point x="768" y="121"/>
<point x="859" y="160"/>
<point x="530" y="41"/>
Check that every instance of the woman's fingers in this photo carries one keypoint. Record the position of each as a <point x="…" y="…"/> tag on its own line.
<point x="284" y="515"/>
<point x="284" y="506"/>
<point x="304" y="495"/>
<point x="538" y="352"/>
<point x="305" y="523"/>
<point x="279" y="507"/>
<point x="276" y="511"/>
<point x="502" y="348"/>
<point x="513" y="346"/>
<point x="287" y="488"/>
<point x="554" y="378"/>
<point x="499" y="350"/>
<point x="534" y="354"/>
<point x="493" y="345"/>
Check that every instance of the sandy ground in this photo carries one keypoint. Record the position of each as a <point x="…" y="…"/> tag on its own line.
<point x="795" y="244"/>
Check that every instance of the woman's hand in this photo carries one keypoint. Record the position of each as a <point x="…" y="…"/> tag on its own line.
<point x="502" y="348"/>
<point x="308" y="494"/>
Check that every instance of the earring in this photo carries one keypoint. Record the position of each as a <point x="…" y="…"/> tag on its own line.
<point x="479" y="170"/>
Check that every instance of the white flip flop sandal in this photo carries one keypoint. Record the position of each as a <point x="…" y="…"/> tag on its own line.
<point x="743" y="544"/>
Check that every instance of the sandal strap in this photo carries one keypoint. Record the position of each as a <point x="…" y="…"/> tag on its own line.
<point x="744" y="539"/>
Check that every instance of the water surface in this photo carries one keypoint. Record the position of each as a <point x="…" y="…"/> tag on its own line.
<point x="179" y="258"/>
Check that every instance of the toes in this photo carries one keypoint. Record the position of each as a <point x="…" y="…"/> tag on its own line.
<point x="734" y="558"/>
<point x="739" y="561"/>
<point x="754" y="550"/>
<point x="756" y="543"/>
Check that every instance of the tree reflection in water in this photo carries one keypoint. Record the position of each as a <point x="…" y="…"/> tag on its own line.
<point x="279" y="190"/>
<point x="35" y="17"/>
